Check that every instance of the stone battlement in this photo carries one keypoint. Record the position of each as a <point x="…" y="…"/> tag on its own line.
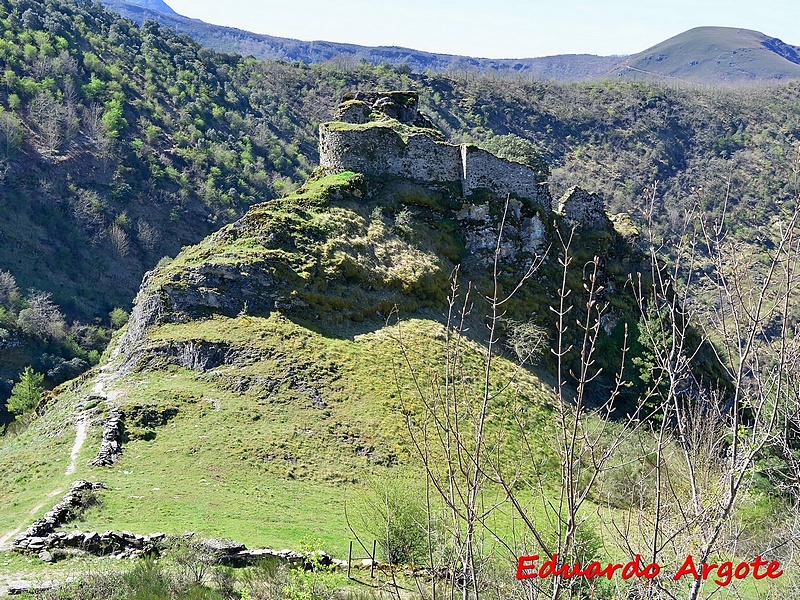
<point x="384" y="134"/>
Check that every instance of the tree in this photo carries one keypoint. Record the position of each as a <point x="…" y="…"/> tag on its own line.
<point x="720" y="395"/>
<point x="9" y="293"/>
<point x="119" y="317"/>
<point x="120" y="241"/>
<point x="42" y="318"/>
<point x="450" y="429"/>
<point x="10" y="134"/>
<point x="700" y="463"/>
<point x="112" y="118"/>
<point x="26" y="394"/>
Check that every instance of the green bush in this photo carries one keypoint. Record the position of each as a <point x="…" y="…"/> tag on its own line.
<point x="393" y="513"/>
<point x="119" y="317"/>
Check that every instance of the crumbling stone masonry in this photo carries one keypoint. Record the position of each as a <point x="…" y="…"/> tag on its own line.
<point x="384" y="134"/>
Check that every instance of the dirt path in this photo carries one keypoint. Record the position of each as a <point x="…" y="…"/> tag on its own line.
<point x="5" y="540"/>
<point x="98" y="389"/>
<point x="80" y="438"/>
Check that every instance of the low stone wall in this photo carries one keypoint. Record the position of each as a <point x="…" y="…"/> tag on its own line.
<point x="41" y="537"/>
<point x="109" y="543"/>
<point x="219" y="551"/>
<point x="111" y="443"/>
<point x="33" y="538"/>
<point x="124" y="544"/>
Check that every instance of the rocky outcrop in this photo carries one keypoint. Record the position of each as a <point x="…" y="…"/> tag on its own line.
<point x="34" y="539"/>
<point x="403" y="106"/>
<point x="18" y="588"/>
<point x="198" y="291"/>
<point x="524" y="234"/>
<point x="256" y="266"/>
<point x="583" y="210"/>
<point x="111" y="442"/>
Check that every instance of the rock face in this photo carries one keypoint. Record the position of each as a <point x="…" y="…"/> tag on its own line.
<point x="522" y="234"/>
<point x="401" y="142"/>
<point x="583" y="210"/>
<point x="227" y="289"/>
<point x="402" y="106"/>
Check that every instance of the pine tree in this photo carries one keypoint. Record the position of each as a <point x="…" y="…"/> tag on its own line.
<point x="26" y="394"/>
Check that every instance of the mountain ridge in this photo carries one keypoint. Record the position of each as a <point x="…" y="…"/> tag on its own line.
<point x="566" y="67"/>
<point x="718" y="54"/>
<point x="764" y="61"/>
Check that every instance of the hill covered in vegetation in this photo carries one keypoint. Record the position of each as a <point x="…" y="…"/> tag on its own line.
<point x="715" y="55"/>
<point x="304" y="339"/>
<point x="122" y="144"/>
<point x="400" y="355"/>
<point x="564" y="67"/>
<point x="703" y="55"/>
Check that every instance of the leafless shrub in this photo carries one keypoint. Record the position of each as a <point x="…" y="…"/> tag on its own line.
<point x="147" y="234"/>
<point x="92" y="122"/>
<point x="53" y="120"/>
<point x="88" y="209"/>
<point x="10" y="134"/>
<point x="8" y="289"/>
<point x="119" y="240"/>
<point x="42" y="318"/>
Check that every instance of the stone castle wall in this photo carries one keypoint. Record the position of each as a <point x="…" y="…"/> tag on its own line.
<point x="482" y="169"/>
<point x="382" y="151"/>
<point x="379" y="150"/>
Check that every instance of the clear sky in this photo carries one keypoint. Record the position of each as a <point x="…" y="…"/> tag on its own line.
<point x="497" y="29"/>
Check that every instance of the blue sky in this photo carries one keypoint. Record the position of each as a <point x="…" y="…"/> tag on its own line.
<point x="501" y="29"/>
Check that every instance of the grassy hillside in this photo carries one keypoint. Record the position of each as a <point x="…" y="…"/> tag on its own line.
<point x="714" y="55"/>
<point x="253" y="425"/>
<point x="266" y="385"/>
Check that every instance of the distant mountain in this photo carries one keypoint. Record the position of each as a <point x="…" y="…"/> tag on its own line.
<point x="715" y="54"/>
<point x="565" y="67"/>
<point x="156" y="5"/>
<point x="711" y="55"/>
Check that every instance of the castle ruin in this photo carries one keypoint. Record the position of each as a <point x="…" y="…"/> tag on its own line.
<point x="384" y="134"/>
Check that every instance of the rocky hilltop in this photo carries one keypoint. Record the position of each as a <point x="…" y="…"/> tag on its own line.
<point x="391" y="211"/>
<point x="270" y="364"/>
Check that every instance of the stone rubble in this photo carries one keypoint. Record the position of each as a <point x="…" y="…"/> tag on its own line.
<point x="34" y="538"/>
<point x="111" y="443"/>
<point x="129" y="545"/>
